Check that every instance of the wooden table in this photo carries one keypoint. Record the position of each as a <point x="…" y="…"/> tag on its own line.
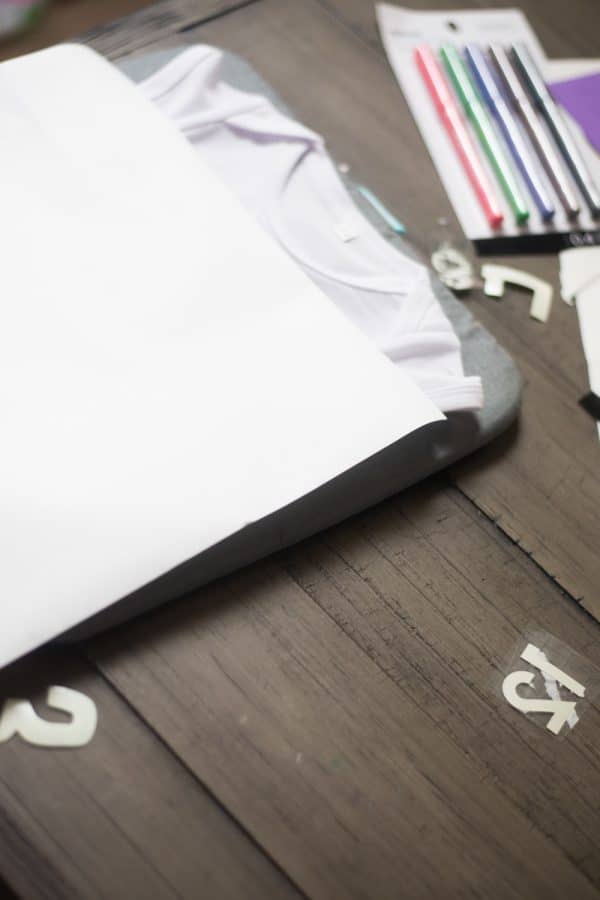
<point x="328" y="723"/>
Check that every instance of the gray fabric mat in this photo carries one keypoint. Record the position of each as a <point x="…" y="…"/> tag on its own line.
<point x="404" y="463"/>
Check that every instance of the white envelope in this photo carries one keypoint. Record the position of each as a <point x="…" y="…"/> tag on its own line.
<point x="167" y="374"/>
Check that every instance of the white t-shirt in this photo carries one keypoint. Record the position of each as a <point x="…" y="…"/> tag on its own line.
<point x="282" y="173"/>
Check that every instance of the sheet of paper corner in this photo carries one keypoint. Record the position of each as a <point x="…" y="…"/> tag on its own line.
<point x="403" y="29"/>
<point x="580" y="281"/>
<point x="583" y="261"/>
<point x="155" y="397"/>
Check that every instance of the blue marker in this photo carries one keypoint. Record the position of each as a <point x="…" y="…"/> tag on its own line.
<point x="492" y="94"/>
<point x="388" y="217"/>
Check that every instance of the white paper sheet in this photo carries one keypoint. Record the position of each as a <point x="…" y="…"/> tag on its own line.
<point x="580" y="281"/>
<point x="167" y="374"/>
<point x="401" y="31"/>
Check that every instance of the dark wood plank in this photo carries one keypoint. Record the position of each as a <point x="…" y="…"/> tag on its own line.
<point x="353" y="787"/>
<point x="427" y="591"/>
<point x="539" y="484"/>
<point x="119" y="818"/>
<point x="563" y="33"/>
<point x="160" y="22"/>
<point x="117" y="26"/>
<point x="64" y="21"/>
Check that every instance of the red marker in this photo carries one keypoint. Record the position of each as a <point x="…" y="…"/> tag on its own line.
<point x="451" y="117"/>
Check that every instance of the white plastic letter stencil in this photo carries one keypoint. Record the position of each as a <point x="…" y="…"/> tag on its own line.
<point x="550" y="683"/>
<point x="19" y="718"/>
<point x="496" y="277"/>
<point x="561" y="712"/>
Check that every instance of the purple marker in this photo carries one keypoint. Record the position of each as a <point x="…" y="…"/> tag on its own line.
<point x="492" y="94"/>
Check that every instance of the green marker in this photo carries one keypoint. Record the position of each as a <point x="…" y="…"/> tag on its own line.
<point x="475" y="110"/>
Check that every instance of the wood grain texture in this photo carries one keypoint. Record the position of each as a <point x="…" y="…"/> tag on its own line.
<point x="116" y="27"/>
<point x="120" y="818"/>
<point x="539" y="483"/>
<point x="160" y="22"/>
<point x="427" y="588"/>
<point x="563" y="33"/>
<point x="351" y="782"/>
<point x="66" y="20"/>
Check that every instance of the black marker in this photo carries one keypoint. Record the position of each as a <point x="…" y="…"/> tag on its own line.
<point x="539" y="93"/>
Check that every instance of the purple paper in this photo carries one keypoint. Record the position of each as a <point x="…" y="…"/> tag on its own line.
<point x="581" y="98"/>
